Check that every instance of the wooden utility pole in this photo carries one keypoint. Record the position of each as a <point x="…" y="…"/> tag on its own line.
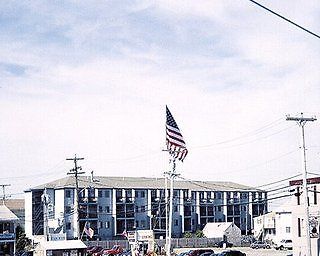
<point x="302" y="121"/>
<point x="4" y="192"/>
<point x="75" y="171"/>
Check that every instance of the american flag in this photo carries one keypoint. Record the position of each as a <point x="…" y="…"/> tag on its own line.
<point x="175" y="141"/>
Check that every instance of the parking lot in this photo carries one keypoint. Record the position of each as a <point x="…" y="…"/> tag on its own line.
<point x="249" y="252"/>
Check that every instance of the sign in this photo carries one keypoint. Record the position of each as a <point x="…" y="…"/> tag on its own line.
<point x="7" y="236"/>
<point x="145" y="235"/>
<point x="131" y="236"/>
<point x="315" y="180"/>
<point x="314" y="226"/>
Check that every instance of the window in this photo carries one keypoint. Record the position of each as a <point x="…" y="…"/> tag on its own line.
<point x="176" y="222"/>
<point x="100" y="224"/>
<point x="107" y="193"/>
<point x="100" y="208"/>
<point x="175" y="193"/>
<point x="288" y="229"/>
<point x="68" y="225"/>
<point x="315" y="195"/>
<point x="143" y="208"/>
<point x="175" y="208"/>
<point x="107" y="208"/>
<point x="192" y="222"/>
<point x="99" y="193"/>
<point x="143" y="223"/>
<point x="219" y="208"/>
<point x="68" y="193"/>
<point x="67" y="209"/>
<point x="142" y="194"/>
<point x="299" y="227"/>
<point x="137" y="224"/>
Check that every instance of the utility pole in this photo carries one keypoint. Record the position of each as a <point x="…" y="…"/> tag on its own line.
<point x="172" y="174"/>
<point x="4" y="192"/>
<point x="302" y="121"/>
<point x="75" y="172"/>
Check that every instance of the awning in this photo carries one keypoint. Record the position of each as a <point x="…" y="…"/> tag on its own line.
<point x="62" y="245"/>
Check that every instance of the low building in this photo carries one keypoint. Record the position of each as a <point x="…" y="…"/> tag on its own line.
<point x="57" y="248"/>
<point x="274" y="226"/>
<point x="227" y="231"/>
<point x="8" y="222"/>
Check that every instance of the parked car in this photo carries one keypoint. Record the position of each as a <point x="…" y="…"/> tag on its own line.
<point x="260" y="244"/>
<point x="283" y="244"/>
<point x="231" y="253"/>
<point x="199" y="252"/>
<point x="207" y="254"/>
<point x="93" y="250"/>
<point x="221" y="243"/>
<point x="115" y="250"/>
<point x="98" y="253"/>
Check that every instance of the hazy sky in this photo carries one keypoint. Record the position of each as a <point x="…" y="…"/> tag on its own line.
<point x="93" y="78"/>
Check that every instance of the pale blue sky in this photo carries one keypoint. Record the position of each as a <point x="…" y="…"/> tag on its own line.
<point x="93" y="78"/>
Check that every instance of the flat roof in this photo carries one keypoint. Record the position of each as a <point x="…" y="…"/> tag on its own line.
<point x="143" y="183"/>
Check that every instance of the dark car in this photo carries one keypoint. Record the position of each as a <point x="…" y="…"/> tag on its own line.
<point x="199" y="252"/>
<point x="231" y="253"/>
<point x="207" y="254"/>
<point x="260" y="244"/>
<point x="94" y="249"/>
<point x="221" y="244"/>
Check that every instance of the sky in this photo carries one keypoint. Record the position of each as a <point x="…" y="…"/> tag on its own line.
<point x="93" y="79"/>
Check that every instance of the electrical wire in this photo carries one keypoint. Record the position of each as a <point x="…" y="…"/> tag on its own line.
<point x="286" y="19"/>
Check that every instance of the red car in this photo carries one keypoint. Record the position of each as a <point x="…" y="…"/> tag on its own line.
<point x="116" y="249"/>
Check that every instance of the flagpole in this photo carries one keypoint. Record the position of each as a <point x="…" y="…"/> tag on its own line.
<point x="83" y="230"/>
<point x="166" y="203"/>
<point x="172" y="174"/>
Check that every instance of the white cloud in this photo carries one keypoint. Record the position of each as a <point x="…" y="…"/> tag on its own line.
<point x="230" y="69"/>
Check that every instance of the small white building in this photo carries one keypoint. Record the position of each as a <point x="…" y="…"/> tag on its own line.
<point x="60" y="248"/>
<point x="226" y="231"/>
<point x="274" y="226"/>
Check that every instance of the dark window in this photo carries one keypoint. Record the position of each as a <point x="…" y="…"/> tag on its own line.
<point x="298" y="196"/>
<point x="68" y="226"/>
<point x="142" y="194"/>
<point x="107" y="193"/>
<point x="68" y="209"/>
<point x="176" y="222"/>
<point x="107" y="209"/>
<point x="175" y="208"/>
<point x="100" y="208"/>
<point x="68" y="193"/>
<point x="315" y="195"/>
<point x="143" y="208"/>
<point x="299" y="227"/>
<point x="99" y="193"/>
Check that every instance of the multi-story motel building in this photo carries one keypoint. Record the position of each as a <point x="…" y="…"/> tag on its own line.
<point x="113" y="204"/>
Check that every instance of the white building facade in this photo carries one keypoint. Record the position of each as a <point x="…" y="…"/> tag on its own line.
<point x="299" y="238"/>
<point x="273" y="226"/>
<point x="113" y="204"/>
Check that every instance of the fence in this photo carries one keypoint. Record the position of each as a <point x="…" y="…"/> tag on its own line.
<point x="176" y="243"/>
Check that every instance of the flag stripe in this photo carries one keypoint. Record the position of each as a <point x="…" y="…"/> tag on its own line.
<point x="175" y="141"/>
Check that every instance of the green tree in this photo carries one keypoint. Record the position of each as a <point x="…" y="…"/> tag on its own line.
<point x="187" y="235"/>
<point x="199" y="234"/>
<point x="22" y="242"/>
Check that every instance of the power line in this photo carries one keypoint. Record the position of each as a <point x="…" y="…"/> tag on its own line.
<point x="249" y="134"/>
<point x="275" y="182"/>
<point x="286" y="19"/>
